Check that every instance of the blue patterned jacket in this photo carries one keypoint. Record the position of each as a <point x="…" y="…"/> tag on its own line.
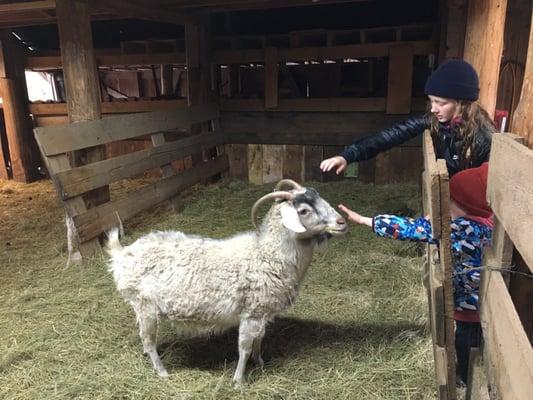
<point x="467" y="241"/>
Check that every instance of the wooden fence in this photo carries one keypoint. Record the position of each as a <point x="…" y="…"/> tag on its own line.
<point x="72" y="183"/>
<point x="438" y="269"/>
<point x="503" y="369"/>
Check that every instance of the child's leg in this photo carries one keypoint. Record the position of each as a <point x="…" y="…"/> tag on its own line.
<point x="467" y="335"/>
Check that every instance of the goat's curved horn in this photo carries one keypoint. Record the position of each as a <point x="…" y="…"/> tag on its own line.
<point x="273" y="195"/>
<point x="288" y="182"/>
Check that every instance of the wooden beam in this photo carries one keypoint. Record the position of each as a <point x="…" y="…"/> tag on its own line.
<point x="304" y="128"/>
<point x="483" y="46"/>
<point x="83" y="95"/>
<point x="271" y="77"/>
<point x="364" y="50"/>
<point x="109" y="60"/>
<point x="66" y="138"/>
<point x="400" y="79"/>
<point x="15" y="106"/>
<point x="453" y="28"/>
<point x="28" y="6"/>
<point x="100" y="219"/>
<point x="522" y="123"/>
<point x="510" y="190"/>
<point x="131" y="9"/>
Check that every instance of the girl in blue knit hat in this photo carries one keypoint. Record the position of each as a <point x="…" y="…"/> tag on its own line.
<point x="460" y="128"/>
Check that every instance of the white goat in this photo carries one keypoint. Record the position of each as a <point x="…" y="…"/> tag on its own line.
<point x="206" y="285"/>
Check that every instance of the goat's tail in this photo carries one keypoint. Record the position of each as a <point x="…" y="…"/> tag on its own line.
<point x="113" y="245"/>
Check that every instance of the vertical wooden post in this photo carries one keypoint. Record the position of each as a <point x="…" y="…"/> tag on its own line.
<point x="166" y="80"/>
<point x="15" y="104"/>
<point x="483" y="46"/>
<point x="400" y="79"/>
<point x="453" y="28"/>
<point x="522" y="123"/>
<point x="82" y="91"/>
<point x="271" y="77"/>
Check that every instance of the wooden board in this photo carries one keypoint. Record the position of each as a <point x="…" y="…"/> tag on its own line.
<point x="76" y="181"/>
<point x="255" y="164"/>
<point x="508" y="351"/>
<point x="271" y="77"/>
<point x="238" y="160"/>
<point x="313" y="155"/>
<point x="102" y="218"/>
<point x="59" y="139"/>
<point x="431" y="185"/>
<point x="400" y="79"/>
<point x="483" y="46"/>
<point x="293" y="162"/>
<point x="305" y="128"/>
<point x="510" y="190"/>
<point x="522" y="123"/>
<point x="272" y="163"/>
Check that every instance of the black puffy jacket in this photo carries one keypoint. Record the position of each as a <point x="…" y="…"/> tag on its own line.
<point x="446" y="146"/>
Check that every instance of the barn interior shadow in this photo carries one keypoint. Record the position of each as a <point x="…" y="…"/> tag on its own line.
<point x="285" y="338"/>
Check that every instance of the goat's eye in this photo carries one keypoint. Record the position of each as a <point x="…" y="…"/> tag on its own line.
<point x="303" y="211"/>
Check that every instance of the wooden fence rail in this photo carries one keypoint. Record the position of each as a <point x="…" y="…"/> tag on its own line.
<point x="56" y="142"/>
<point x="507" y="357"/>
<point x="438" y="269"/>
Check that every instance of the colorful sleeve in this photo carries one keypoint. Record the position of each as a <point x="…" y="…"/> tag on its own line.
<point x="403" y="228"/>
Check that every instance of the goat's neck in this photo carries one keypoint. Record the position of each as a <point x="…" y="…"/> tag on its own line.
<point x="276" y="243"/>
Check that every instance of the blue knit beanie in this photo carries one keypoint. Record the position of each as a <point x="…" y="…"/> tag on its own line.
<point x="454" y="79"/>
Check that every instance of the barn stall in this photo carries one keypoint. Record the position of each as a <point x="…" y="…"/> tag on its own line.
<point x="238" y="92"/>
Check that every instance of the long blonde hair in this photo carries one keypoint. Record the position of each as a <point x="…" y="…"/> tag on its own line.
<point x="474" y="120"/>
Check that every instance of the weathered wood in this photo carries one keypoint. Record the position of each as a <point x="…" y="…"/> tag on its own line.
<point x="447" y="266"/>
<point x="238" y="161"/>
<point x="110" y="60"/>
<point x="59" y="139"/>
<point x="136" y="10"/>
<point x="522" y="122"/>
<point x="166" y="80"/>
<point x="510" y="190"/>
<point x="365" y="50"/>
<point x="101" y="218"/>
<point x="255" y="164"/>
<point x="305" y="128"/>
<point x="272" y="163"/>
<point x="453" y="29"/>
<point x="302" y="105"/>
<point x="293" y="162"/>
<point x="400" y="79"/>
<point x="271" y="77"/>
<point x="313" y="155"/>
<point x="79" y="180"/>
<point x="508" y="353"/>
<point x="483" y="46"/>
<point x="16" y="116"/>
<point x="431" y="186"/>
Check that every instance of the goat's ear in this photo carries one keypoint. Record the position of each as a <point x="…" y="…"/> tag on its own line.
<point x="290" y="219"/>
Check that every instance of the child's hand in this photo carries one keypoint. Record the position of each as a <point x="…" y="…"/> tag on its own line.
<point x="355" y="217"/>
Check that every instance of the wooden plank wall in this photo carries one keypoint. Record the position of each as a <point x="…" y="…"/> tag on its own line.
<point x="73" y="183"/>
<point x="507" y="356"/>
<point x="483" y="46"/>
<point x="438" y="270"/>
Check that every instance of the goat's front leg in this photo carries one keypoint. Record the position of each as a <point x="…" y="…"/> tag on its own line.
<point x="250" y="331"/>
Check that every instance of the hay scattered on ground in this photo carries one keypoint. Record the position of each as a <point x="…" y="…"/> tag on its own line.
<point x="357" y="331"/>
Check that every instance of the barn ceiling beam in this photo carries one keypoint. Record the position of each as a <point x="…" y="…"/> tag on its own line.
<point x="28" y="6"/>
<point x="234" y="5"/>
<point x="141" y="10"/>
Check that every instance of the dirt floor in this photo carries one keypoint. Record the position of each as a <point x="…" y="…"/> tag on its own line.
<point x="357" y="331"/>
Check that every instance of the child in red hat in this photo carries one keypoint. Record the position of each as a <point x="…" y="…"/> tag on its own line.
<point x="471" y="230"/>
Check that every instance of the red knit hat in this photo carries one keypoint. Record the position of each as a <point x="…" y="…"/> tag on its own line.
<point x="468" y="188"/>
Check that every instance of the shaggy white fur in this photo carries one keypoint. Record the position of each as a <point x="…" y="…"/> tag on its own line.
<point x="205" y="285"/>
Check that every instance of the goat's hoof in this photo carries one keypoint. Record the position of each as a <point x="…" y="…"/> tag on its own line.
<point x="162" y="374"/>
